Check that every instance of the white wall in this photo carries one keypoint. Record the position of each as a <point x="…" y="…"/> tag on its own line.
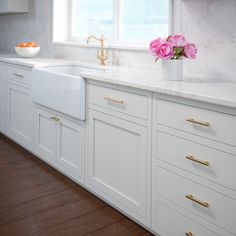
<point x="211" y="24"/>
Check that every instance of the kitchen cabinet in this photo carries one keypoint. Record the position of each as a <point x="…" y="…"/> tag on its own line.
<point x="19" y="115"/>
<point x="19" y="105"/>
<point x="195" y="178"/>
<point x="14" y="6"/>
<point x="118" y="152"/>
<point x="2" y="97"/>
<point x="45" y="135"/>
<point x="59" y="140"/>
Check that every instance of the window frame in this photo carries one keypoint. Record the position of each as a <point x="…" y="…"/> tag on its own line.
<point x="175" y="21"/>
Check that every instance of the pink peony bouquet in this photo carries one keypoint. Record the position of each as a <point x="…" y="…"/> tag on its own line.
<point x="174" y="47"/>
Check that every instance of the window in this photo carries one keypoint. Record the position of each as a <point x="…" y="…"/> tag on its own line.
<point x="122" y="22"/>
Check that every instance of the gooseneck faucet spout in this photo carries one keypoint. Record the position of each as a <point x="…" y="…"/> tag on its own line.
<point x="101" y="52"/>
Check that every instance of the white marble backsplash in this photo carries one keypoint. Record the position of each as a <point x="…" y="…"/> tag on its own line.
<point x="210" y="24"/>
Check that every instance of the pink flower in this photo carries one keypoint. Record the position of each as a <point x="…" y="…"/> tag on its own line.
<point x="178" y="40"/>
<point x="190" y="50"/>
<point x="166" y="51"/>
<point x="155" y="45"/>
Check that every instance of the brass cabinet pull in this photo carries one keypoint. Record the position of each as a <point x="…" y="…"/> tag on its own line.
<point x="19" y="75"/>
<point x="55" y="118"/>
<point x="114" y="100"/>
<point x="207" y="124"/>
<point x="202" y="203"/>
<point x="191" y="158"/>
<point x="189" y="234"/>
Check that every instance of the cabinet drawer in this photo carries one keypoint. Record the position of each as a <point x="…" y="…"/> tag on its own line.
<point x="210" y="124"/>
<point x="177" y="224"/>
<point x="19" y="75"/>
<point x="125" y="102"/>
<point x="201" y="160"/>
<point x="221" y="210"/>
<point x="2" y="70"/>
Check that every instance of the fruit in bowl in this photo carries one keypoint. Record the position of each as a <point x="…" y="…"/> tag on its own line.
<point x="27" y="49"/>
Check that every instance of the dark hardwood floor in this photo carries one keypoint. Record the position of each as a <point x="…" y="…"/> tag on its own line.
<point x="35" y="199"/>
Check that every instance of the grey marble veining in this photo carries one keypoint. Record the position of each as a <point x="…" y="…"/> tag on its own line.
<point x="208" y="23"/>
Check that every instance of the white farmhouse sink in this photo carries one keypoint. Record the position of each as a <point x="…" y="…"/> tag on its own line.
<point x="60" y="88"/>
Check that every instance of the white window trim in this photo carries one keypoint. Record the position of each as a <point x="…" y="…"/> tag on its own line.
<point x="175" y="22"/>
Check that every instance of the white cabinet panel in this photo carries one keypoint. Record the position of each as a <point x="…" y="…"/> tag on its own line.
<point x="14" y="6"/>
<point x="119" y="100"/>
<point x="176" y="224"/>
<point x="19" y="115"/>
<point x="209" y="124"/>
<point x="117" y="162"/>
<point x="209" y="163"/>
<point x="70" y="148"/>
<point x="45" y="135"/>
<point x="2" y="115"/>
<point x="221" y="210"/>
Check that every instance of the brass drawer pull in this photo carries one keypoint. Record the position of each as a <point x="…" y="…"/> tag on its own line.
<point x="55" y="118"/>
<point x="189" y="234"/>
<point x="114" y="100"/>
<point x="207" y="124"/>
<point x="191" y="158"/>
<point x="204" y="204"/>
<point x="19" y="75"/>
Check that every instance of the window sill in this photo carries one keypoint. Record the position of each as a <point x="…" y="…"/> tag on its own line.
<point x="107" y="46"/>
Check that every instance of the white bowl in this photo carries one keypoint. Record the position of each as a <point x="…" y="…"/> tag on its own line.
<point x="27" y="51"/>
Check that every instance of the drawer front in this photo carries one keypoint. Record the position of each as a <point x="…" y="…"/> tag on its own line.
<point x="125" y="102"/>
<point x="19" y="75"/>
<point x="2" y="88"/>
<point x="177" y="224"/>
<point x="201" y="160"/>
<point x="2" y="70"/>
<point x="209" y="124"/>
<point x="206" y="203"/>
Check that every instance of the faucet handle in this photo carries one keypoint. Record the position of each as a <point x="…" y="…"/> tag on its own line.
<point x="102" y="56"/>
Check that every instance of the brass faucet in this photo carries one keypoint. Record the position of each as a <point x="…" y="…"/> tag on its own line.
<point x="101" y="52"/>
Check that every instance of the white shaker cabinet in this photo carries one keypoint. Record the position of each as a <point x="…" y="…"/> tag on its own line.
<point x="2" y="97"/>
<point x="45" y="133"/>
<point x="59" y="141"/>
<point x="193" y="174"/>
<point x="14" y="6"/>
<point x="118" y="153"/>
<point x="19" y="106"/>
<point x="70" y="148"/>
<point x="19" y="114"/>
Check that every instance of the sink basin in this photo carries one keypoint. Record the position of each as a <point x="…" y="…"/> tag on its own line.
<point x="60" y="88"/>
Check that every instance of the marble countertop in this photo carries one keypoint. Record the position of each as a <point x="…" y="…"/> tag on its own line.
<point x="220" y="93"/>
<point x="215" y="92"/>
<point x="33" y="62"/>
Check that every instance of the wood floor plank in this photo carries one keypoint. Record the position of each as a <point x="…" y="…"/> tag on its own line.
<point x="39" y="205"/>
<point x="35" y="199"/>
<point x="40" y="191"/>
<point x="52" y="217"/>
<point x="84" y="224"/>
<point x="124" y="227"/>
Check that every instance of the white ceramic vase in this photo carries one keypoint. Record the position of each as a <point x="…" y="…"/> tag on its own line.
<point x="172" y="69"/>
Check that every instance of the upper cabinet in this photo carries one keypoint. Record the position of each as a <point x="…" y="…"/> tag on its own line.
<point x="14" y="6"/>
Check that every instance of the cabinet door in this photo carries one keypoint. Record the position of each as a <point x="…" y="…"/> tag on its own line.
<point x="70" y="148"/>
<point x="19" y="115"/>
<point x="118" y="162"/>
<point x="3" y="5"/>
<point x="2" y="115"/>
<point x="45" y="135"/>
